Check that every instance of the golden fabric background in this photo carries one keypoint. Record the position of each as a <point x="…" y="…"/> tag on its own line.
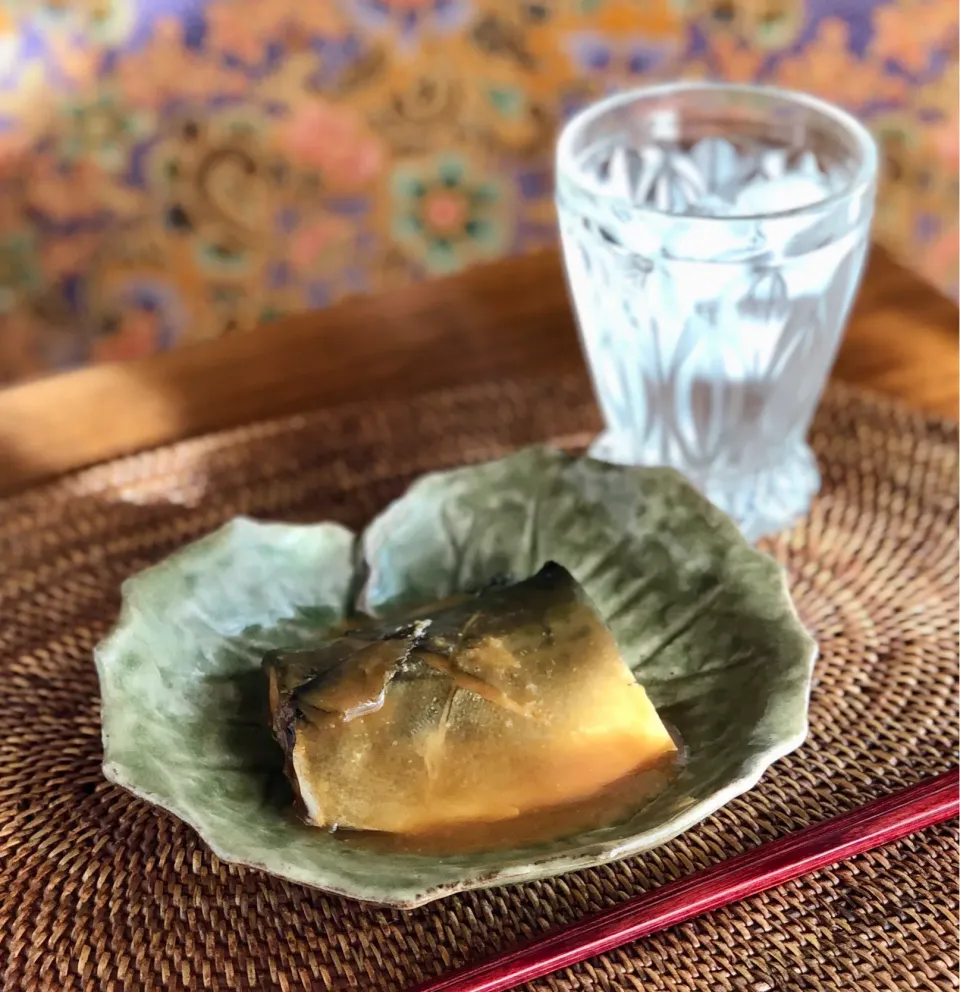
<point x="179" y="169"/>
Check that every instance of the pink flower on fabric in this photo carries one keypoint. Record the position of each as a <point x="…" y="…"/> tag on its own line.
<point x="333" y="140"/>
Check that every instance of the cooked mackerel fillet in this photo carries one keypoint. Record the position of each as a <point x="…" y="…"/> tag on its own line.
<point x="476" y="710"/>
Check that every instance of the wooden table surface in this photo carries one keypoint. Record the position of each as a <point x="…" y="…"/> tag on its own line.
<point x="510" y="318"/>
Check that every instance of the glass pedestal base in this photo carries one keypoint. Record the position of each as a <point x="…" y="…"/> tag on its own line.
<point x="761" y="503"/>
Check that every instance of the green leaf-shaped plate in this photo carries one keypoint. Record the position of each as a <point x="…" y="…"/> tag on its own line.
<point x="704" y="620"/>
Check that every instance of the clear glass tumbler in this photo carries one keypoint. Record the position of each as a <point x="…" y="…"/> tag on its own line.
<point x="714" y="237"/>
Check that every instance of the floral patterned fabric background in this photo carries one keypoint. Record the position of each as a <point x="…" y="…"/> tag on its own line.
<point x="179" y="169"/>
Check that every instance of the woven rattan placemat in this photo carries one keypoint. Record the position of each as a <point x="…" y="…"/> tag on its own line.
<point x="100" y="890"/>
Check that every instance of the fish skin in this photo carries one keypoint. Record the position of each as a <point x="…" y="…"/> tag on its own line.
<point x="434" y="677"/>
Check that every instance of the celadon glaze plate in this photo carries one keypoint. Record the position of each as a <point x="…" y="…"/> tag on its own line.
<point x="704" y="620"/>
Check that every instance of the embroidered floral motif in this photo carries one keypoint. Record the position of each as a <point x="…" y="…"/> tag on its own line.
<point x="446" y="214"/>
<point x="335" y="141"/>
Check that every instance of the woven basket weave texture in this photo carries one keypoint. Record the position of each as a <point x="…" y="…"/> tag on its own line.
<point x="99" y="890"/>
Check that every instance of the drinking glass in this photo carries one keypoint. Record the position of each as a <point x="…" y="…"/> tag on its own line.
<point x="714" y="237"/>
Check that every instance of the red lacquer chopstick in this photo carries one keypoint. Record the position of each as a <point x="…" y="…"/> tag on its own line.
<point x="879" y="822"/>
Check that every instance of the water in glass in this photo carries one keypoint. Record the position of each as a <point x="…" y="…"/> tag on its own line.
<point x="714" y="238"/>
